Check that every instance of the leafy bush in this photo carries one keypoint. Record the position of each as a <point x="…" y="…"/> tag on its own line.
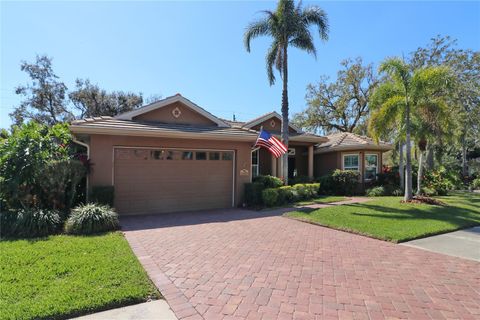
<point x="286" y="194"/>
<point x="299" y="179"/>
<point x="253" y="194"/>
<point x="476" y="184"/>
<point x="29" y="223"/>
<point x="327" y="185"/>
<point x="429" y="192"/>
<point x="345" y="181"/>
<point x="441" y="180"/>
<point x="270" y="197"/>
<point x="397" y="192"/>
<point x="269" y="181"/>
<point x="102" y="195"/>
<point x="91" y="218"/>
<point x="36" y="167"/>
<point x="376" y="191"/>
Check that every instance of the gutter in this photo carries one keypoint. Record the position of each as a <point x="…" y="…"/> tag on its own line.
<point x="88" y="158"/>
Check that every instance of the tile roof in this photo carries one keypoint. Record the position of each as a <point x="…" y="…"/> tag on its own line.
<point x="117" y="126"/>
<point x="348" y="140"/>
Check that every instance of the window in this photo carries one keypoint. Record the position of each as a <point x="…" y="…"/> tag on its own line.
<point x="214" y="156"/>
<point x="173" y="155"/>
<point x="187" y="155"/>
<point x="158" y="154"/>
<point x="255" y="163"/>
<point x="227" y="156"/>
<point x="351" y="162"/>
<point x="371" y="166"/>
<point x="200" y="155"/>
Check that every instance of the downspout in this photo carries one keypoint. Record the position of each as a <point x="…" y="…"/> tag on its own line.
<point x="88" y="158"/>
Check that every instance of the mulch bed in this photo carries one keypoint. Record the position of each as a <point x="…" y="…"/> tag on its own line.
<point x="426" y="200"/>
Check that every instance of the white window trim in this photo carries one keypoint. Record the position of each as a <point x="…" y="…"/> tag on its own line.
<point x="352" y="154"/>
<point x="376" y="167"/>
<point x="257" y="165"/>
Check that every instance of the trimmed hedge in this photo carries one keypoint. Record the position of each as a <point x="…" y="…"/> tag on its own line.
<point x="287" y="194"/>
<point x="340" y="182"/>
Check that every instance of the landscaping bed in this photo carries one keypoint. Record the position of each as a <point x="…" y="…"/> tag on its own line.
<point x="387" y="218"/>
<point x="62" y="276"/>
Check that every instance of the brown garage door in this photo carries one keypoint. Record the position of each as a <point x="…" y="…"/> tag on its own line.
<point x="149" y="181"/>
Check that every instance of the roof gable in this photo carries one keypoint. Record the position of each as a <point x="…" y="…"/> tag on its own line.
<point x="269" y="116"/>
<point x="192" y="114"/>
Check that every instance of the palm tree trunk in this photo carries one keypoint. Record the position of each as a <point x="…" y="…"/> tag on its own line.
<point x="430" y="160"/>
<point x="408" y="177"/>
<point x="420" y="171"/>
<point x="401" y="167"/>
<point x="285" y="113"/>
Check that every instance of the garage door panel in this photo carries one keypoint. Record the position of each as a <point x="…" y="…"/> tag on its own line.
<point x="146" y="184"/>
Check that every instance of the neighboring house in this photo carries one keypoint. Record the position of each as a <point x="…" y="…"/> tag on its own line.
<point x="173" y="155"/>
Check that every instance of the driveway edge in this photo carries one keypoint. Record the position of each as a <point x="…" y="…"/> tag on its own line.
<point x="177" y="301"/>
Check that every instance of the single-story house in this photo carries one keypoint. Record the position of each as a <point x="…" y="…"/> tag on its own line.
<point x="173" y="155"/>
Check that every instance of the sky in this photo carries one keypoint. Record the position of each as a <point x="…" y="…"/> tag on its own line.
<point x="196" y="48"/>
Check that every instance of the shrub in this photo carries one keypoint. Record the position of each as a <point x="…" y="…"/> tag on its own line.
<point x="299" y="179"/>
<point x="268" y="181"/>
<point x="376" y="191"/>
<point x="35" y="167"/>
<point x="476" y="184"/>
<point x="440" y="181"/>
<point x="327" y="185"/>
<point x="102" y="195"/>
<point x="91" y="218"/>
<point x="345" y="181"/>
<point x="30" y="223"/>
<point x="286" y="194"/>
<point x="253" y="193"/>
<point x="270" y="197"/>
<point x="397" y="192"/>
<point x="429" y="192"/>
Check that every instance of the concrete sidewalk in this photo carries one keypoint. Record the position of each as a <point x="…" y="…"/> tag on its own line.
<point x="463" y="243"/>
<point x="153" y="310"/>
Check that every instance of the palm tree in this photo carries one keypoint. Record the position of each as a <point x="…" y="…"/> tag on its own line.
<point x="287" y="26"/>
<point x="404" y="94"/>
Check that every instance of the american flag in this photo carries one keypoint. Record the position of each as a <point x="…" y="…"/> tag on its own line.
<point x="268" y="141"/>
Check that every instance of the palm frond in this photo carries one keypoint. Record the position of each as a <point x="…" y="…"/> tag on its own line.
<point x="255" y="29"/>
<point x="316" y="16"/>
<point x="304" y="41"/>
<point x="271" y="60"/>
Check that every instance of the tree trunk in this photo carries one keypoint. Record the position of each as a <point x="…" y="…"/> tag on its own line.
<point x="401" y="167"/>
<point x="420" y="171"/>
<point x="408" y="176"/>
<point x="285" y="114"/>
<point x="430" y="159"/>
<point x="464" y="157"/>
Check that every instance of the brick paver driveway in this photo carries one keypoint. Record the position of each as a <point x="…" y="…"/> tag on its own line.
<point x="258" y="265"/>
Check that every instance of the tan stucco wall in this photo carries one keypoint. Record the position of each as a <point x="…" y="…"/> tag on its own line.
<point x="267" y="125"/>
<point x="164" y="114"/>
<point x="101" y="154"/>
<point x="326" y="163"/>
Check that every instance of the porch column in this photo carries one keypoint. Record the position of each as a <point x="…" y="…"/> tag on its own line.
<point x="310" y="162"/>
<point x="274" y="166"/>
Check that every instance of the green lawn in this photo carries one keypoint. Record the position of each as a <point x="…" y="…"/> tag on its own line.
<point x="388" y="219"/>
<point x="321" y="199"/>
<point x="63" y="276"/>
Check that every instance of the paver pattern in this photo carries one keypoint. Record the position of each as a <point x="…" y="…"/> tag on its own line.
<point x="239" y="264"/>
